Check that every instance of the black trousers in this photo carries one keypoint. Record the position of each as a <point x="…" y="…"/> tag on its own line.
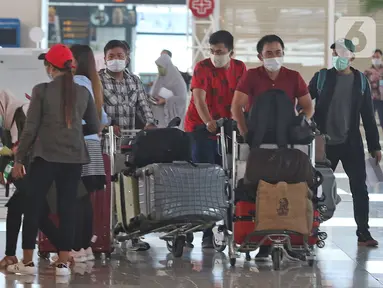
<point x="353" y="160"/>
<point x="41" y="176"/>
<point x="14" y="218"/>
<point x="84" y="223"/>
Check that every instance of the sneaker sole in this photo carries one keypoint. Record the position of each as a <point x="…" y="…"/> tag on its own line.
<point x="80" y="259"/>
<point x="67" y="272"/>
<point x="364" y="244"/>
<point x="34" y="273"/>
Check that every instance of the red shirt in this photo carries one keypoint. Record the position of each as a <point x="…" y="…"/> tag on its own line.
<point x="256" y="81"/>
<point x="219" y="85"/>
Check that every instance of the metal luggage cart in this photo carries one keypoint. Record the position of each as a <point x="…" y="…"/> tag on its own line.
<point x="175" y="234"/>
<point x="281" y="242"/>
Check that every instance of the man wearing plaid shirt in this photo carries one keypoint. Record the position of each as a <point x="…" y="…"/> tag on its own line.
<point x="124" y="96"/>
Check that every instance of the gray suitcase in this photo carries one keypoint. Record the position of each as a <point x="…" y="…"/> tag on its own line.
<point x="329" y="190"/>
<point x="181" y="192"/>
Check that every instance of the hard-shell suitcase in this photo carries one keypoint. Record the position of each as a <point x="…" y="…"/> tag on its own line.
<point x="127" y="199"/>
<point x="329" y="190"/>
<point x="245" y="224"/>
<point x="180" y="191"/>
<point x="102" y="241"/>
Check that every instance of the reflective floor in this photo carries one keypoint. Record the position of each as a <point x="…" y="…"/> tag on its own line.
<point x="339" y="264"/>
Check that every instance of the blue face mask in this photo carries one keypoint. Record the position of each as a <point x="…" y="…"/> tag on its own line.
<point x="340" y="63"/>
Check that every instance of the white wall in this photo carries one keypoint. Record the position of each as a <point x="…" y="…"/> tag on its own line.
<point x="29" y="13"/>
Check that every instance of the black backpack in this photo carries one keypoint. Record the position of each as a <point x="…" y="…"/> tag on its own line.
<point x="161" y="145"/>
<point x="272" y="120"/>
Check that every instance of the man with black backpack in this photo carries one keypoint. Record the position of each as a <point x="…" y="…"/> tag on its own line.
<point x="343" y="96"/>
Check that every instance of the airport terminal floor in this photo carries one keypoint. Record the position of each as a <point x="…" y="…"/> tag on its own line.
<point x="341" y="263"/>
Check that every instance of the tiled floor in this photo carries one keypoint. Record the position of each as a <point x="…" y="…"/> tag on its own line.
<point x="340" y="264"/>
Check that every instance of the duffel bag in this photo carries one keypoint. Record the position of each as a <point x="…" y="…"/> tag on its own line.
<point x="279" y="165"/>
<point x="284" y="206"/>
<point x="161" y="145"/>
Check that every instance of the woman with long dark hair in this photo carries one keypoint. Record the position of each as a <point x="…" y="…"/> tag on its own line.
<point x="55" y="131"/>
<point x="93" y="174"/>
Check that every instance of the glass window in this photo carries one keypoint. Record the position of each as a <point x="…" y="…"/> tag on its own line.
<point x="148" y="48"/>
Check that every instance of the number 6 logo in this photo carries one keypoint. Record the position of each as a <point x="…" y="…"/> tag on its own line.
<point x="361" y="31"/>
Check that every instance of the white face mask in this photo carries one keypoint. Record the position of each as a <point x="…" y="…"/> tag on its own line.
<point x="376" y="61"/>
<point x="116" y="65"/>
<point x="220" y="61"/>
<point x="273" y="64"/>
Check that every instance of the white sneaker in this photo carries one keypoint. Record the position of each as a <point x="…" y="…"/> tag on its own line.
<point x="55" y="258"/>
<point x="21" y="268"/>
<point x="62" y="270"/>
<point x="89" y="254"/>
<point x="79" y="256"/>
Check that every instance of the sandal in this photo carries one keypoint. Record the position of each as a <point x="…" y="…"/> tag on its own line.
<point x="8" y="260"/>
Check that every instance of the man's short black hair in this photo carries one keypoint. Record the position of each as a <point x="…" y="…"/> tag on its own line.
<point x="269" y="39"/>
<point x="378" y="51"/>
<point x="116" y="43"/>
<point x="224" y="37"/>
<point x="167" y="52"/>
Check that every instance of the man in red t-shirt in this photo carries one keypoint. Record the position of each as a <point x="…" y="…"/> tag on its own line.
<point x="213" y="85"/>
<point x="271" y="75"/>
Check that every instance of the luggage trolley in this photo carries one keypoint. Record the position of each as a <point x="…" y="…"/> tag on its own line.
<point x="175" y="234"/>
<point x="281" y="244"/>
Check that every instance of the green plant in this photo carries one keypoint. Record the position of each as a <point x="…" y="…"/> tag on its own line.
<point x="372" y="5"/>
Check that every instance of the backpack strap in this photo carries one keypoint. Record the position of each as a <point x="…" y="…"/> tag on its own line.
<point x="321" y="80"/>
<point x="363" y="82"/>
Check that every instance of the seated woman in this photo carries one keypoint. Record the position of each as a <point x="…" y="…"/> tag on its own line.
<point x="169" y="78"/>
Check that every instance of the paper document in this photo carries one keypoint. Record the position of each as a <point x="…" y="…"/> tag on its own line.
<point x="374" y="172"/>
<point x="165" y="93"/>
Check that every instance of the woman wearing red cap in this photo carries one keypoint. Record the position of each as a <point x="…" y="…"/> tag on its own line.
<point x="55" y="132"/>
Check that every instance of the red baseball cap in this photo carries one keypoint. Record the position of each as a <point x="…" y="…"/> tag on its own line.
<point x="58" y="55"/>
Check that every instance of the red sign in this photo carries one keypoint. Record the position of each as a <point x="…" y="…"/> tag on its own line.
<point x="201" y="8"/>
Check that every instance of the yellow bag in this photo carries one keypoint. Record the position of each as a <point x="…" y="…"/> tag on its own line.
<point x="284" y="206"/>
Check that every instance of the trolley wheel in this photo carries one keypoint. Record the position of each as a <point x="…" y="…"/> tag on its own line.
<point x="323" y="209"/>
<point x="44" y="255"/>
<point x="97" y="255"/>
<point x="169" y="245"/>
<point x="108" y="255"/>
<point x="321" y="244"/>
<point x="233" y="261"/>
<point x="189" y="238"/>
<point x="322" y="236"/>
<point x="217" y="246"/>
<point x="276" y="256"/>
<point x="310" y="262"/>
<point x="178" y="246"/>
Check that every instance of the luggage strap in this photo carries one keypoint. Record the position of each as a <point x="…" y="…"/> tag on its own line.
<point x="322" y="79"/>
